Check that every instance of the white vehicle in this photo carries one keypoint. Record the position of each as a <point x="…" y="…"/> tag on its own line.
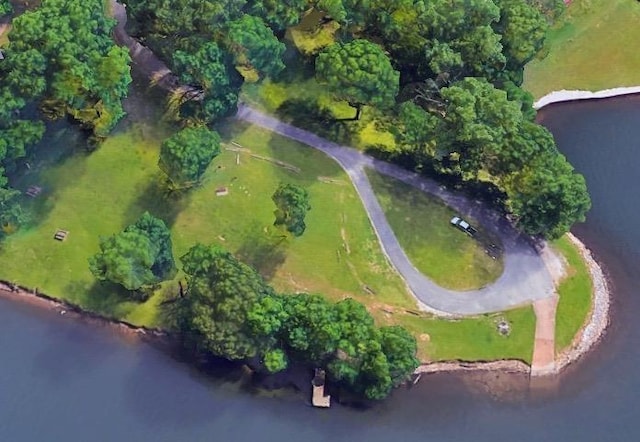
<point x="463" y="225"/>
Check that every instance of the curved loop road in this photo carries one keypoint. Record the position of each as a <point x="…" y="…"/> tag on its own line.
<point x="525" y="278"/>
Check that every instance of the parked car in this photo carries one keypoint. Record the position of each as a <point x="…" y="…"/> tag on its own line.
<point x="461" y="224"/>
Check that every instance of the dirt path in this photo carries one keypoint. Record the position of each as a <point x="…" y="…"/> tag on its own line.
<point x="544" y="346"/>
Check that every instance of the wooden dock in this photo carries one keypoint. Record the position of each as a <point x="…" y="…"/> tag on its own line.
<point x="319" y="399"/>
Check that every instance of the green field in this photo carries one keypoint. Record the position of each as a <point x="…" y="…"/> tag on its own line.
<point x="575" y="293"/>
<point x="421" y="223"/>
<point x="102" y="192"/>
<point x="593" y="46"/>
<point x="98" y="193"/>
<point x="474" y="339"/>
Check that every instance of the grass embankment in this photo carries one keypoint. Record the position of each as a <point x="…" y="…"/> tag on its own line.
<point x="576" y="293"/>
<point x="421" y="224"/>
<point x="593" y="46"/>
<point x="474" y="339"/>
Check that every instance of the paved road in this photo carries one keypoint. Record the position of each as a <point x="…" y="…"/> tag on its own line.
<point x="525" y="278"/>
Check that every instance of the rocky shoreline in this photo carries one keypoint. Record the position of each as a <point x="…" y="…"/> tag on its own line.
<point x="594" y="329"/>
<point x="574" y="95"/>
<point x="589" y="335"/>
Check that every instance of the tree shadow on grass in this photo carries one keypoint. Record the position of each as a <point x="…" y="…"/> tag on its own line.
<point x="311" y="116"/>
<point x="159" y="201"/>
<point x="104" y="298"/>
<point x="265" y="252"/>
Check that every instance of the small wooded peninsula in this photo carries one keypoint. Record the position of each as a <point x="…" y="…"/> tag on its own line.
<point x="242" y="238"/>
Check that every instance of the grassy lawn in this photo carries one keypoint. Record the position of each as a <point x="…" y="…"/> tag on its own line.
<point x="421" y="223"/>
<point x="473" y="339"/>
<point x="594" y="46"/>
<point x="575" y="295"/>
<point x="100" y="193"/>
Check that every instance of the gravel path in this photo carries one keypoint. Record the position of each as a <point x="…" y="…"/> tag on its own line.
<point x="525" y="278"/>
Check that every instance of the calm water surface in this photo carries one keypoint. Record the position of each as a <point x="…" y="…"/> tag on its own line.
<point x="65" y="381"/>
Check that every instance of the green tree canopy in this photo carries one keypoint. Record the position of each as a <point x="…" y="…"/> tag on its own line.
<point x="476" y="127"/>
<point x="400" y="350"/>
<point x="292" y="205"/>
<point x="214" y="313"/>
<point x="279" y="14"/>
<point x="126" y="259"/>
<point x="158" y="20"/>
<point x="358" y="72"/>
<point x="228" y="310"/>
<point x="211" y="69"/>
<point x="5" y="7"/>
<point x="156" y="230"/>
<point x="12" y="215"/>
<point x="523" y="29"/>
<point x="185" y="156"/>
<point x="139" y="256"/>
<point x="275" y="360"/>
<point x="254" y="46"/>
<point x="62" y="55"/>
<point x="548" y="197"/>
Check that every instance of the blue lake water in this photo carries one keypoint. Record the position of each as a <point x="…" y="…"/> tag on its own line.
<point x="63" y="380"/>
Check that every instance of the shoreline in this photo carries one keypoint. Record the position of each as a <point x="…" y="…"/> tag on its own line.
<point x="599" y="316"/>
<point x="565" y="95"/>
<point x="585" y="340"/>
<point x="34" y="298"/>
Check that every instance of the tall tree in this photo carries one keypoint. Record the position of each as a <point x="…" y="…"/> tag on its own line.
<point x="214" y="313"/>
<point x="5" y="7"/>
<point x="292" y="204"/>
<point x="126" y="259"/>
<point x="185" y="156"/>
<point x="12" y="215"/>
<point x="547" y="196"/>
<point x="137" y="257"/>
<point x="156" y="230"/>
<point x="476" y="126"/>
<point x="254" y="46"/>
<point x="358" y="72"/>
<point x="523" y="29"/>
<point x="160" y="20"/>
<point x="311" y="331"/>
<point x="400" y="348"/>
<point x="279" y="14"/>
<point x="211" y="69"/>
